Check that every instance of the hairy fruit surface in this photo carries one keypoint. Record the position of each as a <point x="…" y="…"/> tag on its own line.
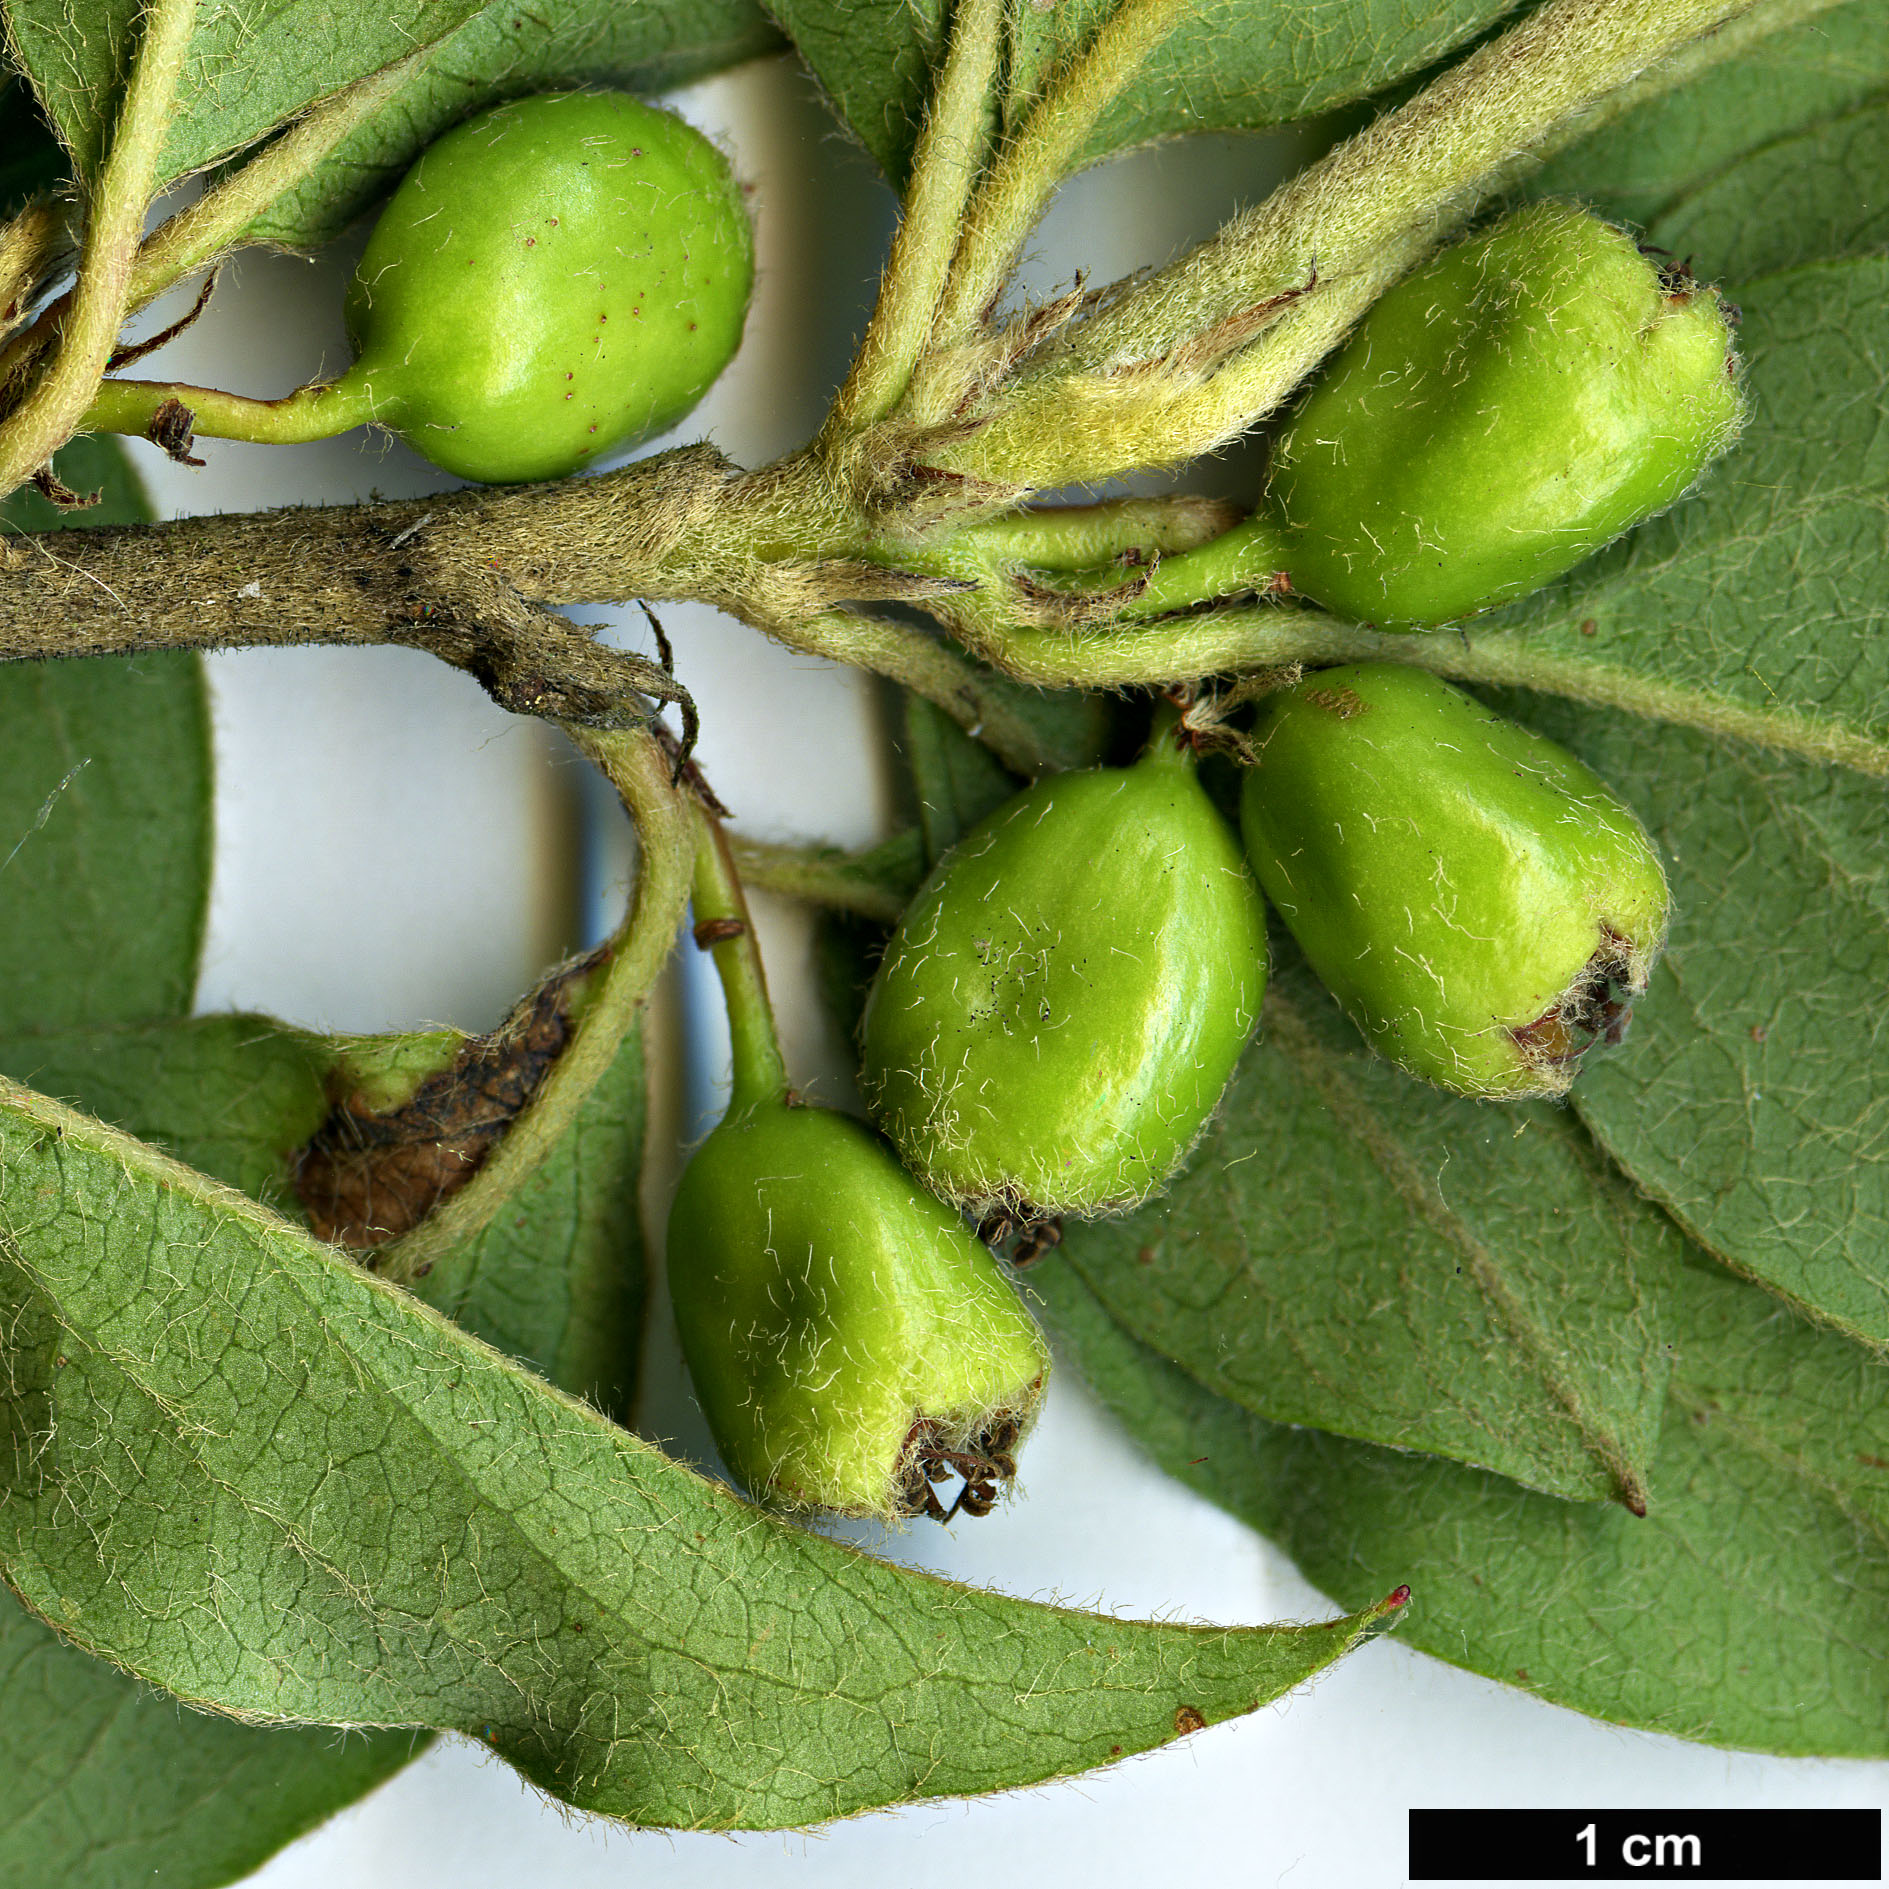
<point x="1477" y="900"/>
<point x="850" y="1342"/>
<point x="1523" y="399"/>
<point x="1063" y="1003"/>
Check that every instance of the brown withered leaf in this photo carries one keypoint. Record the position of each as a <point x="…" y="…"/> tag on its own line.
<point x="366" y="1177"/>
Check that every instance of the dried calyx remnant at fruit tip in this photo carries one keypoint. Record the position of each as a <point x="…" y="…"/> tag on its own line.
<point x="1478" y="900"/>
<point x="851" y="1345"/>
<point x="1063" y="1003"/>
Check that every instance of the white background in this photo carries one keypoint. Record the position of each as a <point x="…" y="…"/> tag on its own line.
<point x="392" y="850"/>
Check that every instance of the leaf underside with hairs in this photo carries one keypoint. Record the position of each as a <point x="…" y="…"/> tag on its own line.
<point x="1636" y="168"/>
<point x="1752" y="1097"/>
<point x="231" y="1095"/>
<point x="246" y="1470"/>
<point x="1801" y="200"/>
<point x="108" y="1785"/>
<point x="1482" y="1293"/>
<point x="103" y="1782"/>
<point x="556" y="1280"/>
<point x="503" y="53"/>
<point x="1228" y="65"/>
<point x="104" y="807"/>
<point x="247" y="70"/>
<point x="253" y="68"/>
<point x="1749" y="1608"/>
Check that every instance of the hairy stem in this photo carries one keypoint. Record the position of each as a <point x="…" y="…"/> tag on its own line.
<point x="1243" y="641"/>
<point x="1732" y="40"/>
<point x="1011" y="200"/>
<point x="465" y="575"/>
<point x="1132" y="387"/>
<point x="950" y="151"/>
<point x="639" y="769"/>
<point x="725" y="930"/>
<point x="46" y="417"/>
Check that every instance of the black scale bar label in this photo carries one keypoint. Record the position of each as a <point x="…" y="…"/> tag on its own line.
<point x="1646" y="1845"/>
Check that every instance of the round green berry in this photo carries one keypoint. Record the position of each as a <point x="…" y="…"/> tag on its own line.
<point x="1497" y="417"/>
<point x="556" y="279"/>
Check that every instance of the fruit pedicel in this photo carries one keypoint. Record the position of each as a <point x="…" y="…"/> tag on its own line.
<point x="850" y="1343"/>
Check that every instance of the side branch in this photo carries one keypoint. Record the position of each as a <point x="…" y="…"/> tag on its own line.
<point x="394" y="574"/>
<point x="466" y="576"/>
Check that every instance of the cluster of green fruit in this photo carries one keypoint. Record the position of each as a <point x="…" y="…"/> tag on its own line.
<point x="1063" y="1003"/>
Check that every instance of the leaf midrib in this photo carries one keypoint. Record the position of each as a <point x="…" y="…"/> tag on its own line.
<point x="1287" y="1030"/>
<point x="160" y="1167"/>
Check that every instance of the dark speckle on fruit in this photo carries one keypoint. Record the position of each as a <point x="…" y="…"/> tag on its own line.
<point x="514" y="170"/>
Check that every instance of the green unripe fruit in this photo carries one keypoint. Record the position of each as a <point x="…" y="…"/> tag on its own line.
<point x="555" y="279"/>
<point x="1507" y="410"/>
<point x="1469" y="892"/>
<point x="1063" y="1003"/>
<point x="847" y="1337"/>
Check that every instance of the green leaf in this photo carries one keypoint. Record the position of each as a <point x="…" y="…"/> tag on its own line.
<point x="1757" y="606"/>
<point x="1750" y="1607"/>
<point x="248" y="69"/>
<point x="230" y="1095"/>
<point x="1481" y="1294"/>
<point x="102" y="1782"/>
<point x="248" y="1471"/>
<point x="252" y="68"/>
<point x="1637" y="166"/>
<point x="501" y="53"/>
<point x="1797" y="201"/>
<point x="557" y="1280"/>
<point x="955" y="780"/>
<point x="1752" y="1097"/>
<point x="104" y="809"/>
<point x="105" y="1784"/>
<point x="1229" y="65"/>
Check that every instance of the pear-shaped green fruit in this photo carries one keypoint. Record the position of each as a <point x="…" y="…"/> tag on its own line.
<point x="555" y="279"/>
<point x="1062" y="1004"/>
<point x="1498" y="416"/>
<point x="1475" y="898"/>
<point x="850" y="1342"/>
